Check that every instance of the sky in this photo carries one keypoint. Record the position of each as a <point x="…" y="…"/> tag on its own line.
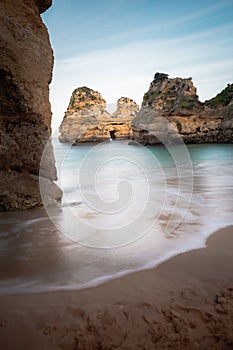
<point x="116" y="46"/>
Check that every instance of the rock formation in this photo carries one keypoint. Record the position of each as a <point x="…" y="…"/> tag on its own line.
<point x="86" y="119"/>
<point x="227" y="123"/>
<point x="25" y="73"/>
<point x="81" y="120"/>
<point x="126" y="108"/>
<point x="171" y="107"/>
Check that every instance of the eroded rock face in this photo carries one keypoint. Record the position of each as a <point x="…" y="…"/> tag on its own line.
<point x="126" y="108"/>
<point x="26" y="64"/>
<point x="86" y="119"/>
<point x="81" y="120"/>
<point x="172" y="96"/>
<point x="227" y="123"/>
<point x="171" y="110"/>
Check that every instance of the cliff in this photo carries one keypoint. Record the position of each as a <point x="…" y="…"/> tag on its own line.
<point x="86" y="119"/>
<point x="171" y="106"/>
<point x="227" y="123"/>
<point x="81" y="120"/>
<point x="26" y="64"/>
<point x="126" y="108"/>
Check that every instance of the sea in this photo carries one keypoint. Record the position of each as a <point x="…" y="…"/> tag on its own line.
<point x="125" y="208"/>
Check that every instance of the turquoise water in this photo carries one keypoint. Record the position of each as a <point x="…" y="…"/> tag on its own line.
<point x="125" y="208"/>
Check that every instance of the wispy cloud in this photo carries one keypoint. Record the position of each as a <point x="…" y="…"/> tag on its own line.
<point x="128" y="69"/>
<point x="203" y="12"/>
<point x="159" y="26"/>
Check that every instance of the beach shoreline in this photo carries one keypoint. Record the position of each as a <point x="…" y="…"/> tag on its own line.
<point x="184" y="303"/>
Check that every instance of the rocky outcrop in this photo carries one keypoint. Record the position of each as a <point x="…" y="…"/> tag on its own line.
<point x="171" y="109"/>
<point x="82" y="118"/>
<point x="227" y="123"/>
<point x="86" y="119"/>
<point x="172" y="96"/>
<point x="26" y="63"/>
<point x="126" y="108"/>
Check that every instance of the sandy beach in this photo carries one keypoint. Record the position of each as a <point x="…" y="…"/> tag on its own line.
<point x="185" y="303"/>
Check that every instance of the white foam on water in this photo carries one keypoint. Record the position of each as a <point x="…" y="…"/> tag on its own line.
<point x="78" y="247"/>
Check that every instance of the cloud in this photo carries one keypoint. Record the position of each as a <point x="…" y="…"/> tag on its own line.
<point x="127" y="70"/>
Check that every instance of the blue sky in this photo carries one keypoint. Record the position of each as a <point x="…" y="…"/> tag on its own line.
<point x="116" y="47"/>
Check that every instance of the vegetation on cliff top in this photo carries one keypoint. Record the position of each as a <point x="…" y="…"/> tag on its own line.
<point x="221" y="99"/>
<point x="82" y="94"/>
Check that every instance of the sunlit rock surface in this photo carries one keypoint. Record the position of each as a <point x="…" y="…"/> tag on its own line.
<point x="86" y="118"/>
<point x="171" y="111"/>
<point x="26" y="63"/>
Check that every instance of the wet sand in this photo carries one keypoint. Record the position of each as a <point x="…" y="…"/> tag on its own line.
<point x="185" y="303"/>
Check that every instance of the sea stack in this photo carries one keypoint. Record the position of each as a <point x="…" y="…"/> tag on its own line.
<point x="26" y="64"/>
<point x="171" y="107"/>
<point x="86" y="118"/>
<point x="81" y="122"/>
<point x="126" y="108"/>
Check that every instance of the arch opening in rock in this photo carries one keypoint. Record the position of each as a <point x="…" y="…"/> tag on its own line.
<point x="112" y="134"/>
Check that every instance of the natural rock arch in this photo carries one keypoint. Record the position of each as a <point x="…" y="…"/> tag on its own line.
<point x="86" y="118"/>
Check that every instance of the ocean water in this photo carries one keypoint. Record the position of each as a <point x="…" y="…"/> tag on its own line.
<point x="125" y="208"/>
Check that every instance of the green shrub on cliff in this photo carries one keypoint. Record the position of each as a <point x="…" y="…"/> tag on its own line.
<point x="150" y="97"/>
<point x="188" y="102"/>
<point x="86" y="93"/>
<point x="221" y="99"/>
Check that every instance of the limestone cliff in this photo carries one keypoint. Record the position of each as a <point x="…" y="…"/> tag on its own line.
<point x="86" y="119"/>
<point x="81" y="120"/>
<point x="227" y="123"/>
<point x="126" y="108"/>
<point x="172" y="96"/>
<point x="172" y="106"/>
<point x="26" y="64"/>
